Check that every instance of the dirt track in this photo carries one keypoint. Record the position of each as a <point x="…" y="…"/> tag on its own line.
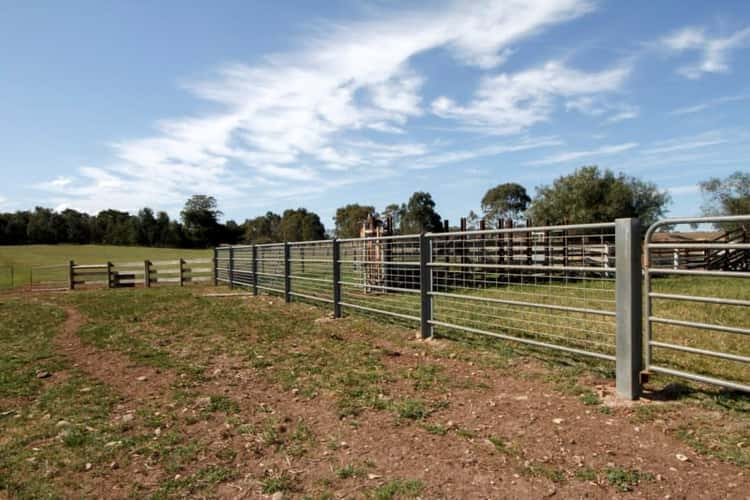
<point x="509" y="438"/>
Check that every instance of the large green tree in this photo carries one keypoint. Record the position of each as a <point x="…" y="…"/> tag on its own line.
<point x="420" y="215"/>
<point x="504" y="201"/>
<point x="349" y="219"/>
<point x="301" y="225"/>
<point x="729" y="196"/>
<point x="200" y="218"/>
<point x="263" y="229"/>
<point x="396" y="213"/>
<point x="593" y="195"/>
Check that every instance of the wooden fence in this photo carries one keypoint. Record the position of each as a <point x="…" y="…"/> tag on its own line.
<point x="142" y="273"/>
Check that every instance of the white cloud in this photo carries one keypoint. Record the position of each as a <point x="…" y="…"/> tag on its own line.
<point x="680" y="144"/>
<point x="439" y="159"/>
<point x="511" y="103"/>
<point x="569" y="156"/>
<point x="296" y="117"/>
<point x="709" y="104"/>
<point x="713" y="51"/>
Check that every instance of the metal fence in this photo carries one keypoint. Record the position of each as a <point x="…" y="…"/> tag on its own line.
<point x="576" y="289"/>
<point x="697" y="307"/>
<point x="560" y="287"/>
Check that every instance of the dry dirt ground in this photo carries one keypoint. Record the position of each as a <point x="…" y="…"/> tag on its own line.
<point x="433" y="419"/>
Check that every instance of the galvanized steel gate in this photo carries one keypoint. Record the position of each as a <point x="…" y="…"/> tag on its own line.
<point x="704" y="277"/>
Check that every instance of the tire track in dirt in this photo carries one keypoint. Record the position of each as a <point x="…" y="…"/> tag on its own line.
<point x="133" y="381"/>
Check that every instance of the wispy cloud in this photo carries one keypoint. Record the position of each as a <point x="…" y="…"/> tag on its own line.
<point x="511" y="103"/>
<point x="713" y="51"/>
<point x="342" y="102"/>
<point x="570" y="156"/>
<point x="709" y="104"/>
<point x="704" y="140"/>
<point x="439" y="159"/>
<point x="597" y="106"/>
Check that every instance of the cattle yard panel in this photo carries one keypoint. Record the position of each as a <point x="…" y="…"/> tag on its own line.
<point x="699" y="313"/>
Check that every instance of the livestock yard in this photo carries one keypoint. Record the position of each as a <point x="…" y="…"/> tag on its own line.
<point x="219" y="392"/>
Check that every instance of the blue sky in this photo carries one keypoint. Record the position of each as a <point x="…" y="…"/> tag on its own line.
<point x="273" y="105"/>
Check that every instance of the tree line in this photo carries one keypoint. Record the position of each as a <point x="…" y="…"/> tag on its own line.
<point x="589" y="194"/>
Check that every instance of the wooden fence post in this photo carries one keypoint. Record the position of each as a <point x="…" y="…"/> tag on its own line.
<point x="147" y="274"/>
<point x="181" y="265"/>
<point x="71" y="275"/>
<point x="109" y="275"/>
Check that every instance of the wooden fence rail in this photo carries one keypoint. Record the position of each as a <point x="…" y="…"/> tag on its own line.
<point x="141" y="273"/>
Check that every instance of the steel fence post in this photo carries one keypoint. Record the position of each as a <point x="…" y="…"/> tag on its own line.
<point x="287" y="279"/>
<point x="231" y="267"/>
<point x="425" y="285"/>
<point x="336" y="279"/>
<point x="216" y="266"/>
<point x="255" y="270"/>
<point x="629" y="341"/>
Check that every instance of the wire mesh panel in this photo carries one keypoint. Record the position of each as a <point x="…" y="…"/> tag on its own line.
<point x="49" y="278"/>
<point x="547" y="286"/>
<point x="311" y="270"/>
<point x="222" y="264"/>
<point x="270" y="267"/>
<point x="381" y="275"/>
<point x="697" y="290"/>
<point x="242" y="265"/>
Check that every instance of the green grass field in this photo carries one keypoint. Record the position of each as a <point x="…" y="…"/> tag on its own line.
<point x="21" y="258"/>
<point x="235" y="382"/>
<point x="589" y="332"/>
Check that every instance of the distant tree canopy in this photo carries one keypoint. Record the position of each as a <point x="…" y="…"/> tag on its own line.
<point x="301" y="225"/>
<point x="592" y="195"/>
<point x="396" y="213"/>
<point x="263" y="229"/>
<point x="420" y="215"/>
<point x="729" y="196"/>
<point x="349" y="219"/>
<point x="200" y="218"/>
<point x="504" y="201"/>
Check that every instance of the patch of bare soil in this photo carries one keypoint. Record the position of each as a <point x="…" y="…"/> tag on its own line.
<point x="507" y="437"/>
<point x="513" y="439"/>
<point x="128" y="378"/>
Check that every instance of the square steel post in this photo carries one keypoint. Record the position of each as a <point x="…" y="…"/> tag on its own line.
<point x="231" y="267"/>
<point x="255" y="270"/>
<point x="287" y="279"/>
<point x="628" y="295"/>
<point x="336" y="278"/>
<point x="216" y="266"/>
<point x="425" y="285"/>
